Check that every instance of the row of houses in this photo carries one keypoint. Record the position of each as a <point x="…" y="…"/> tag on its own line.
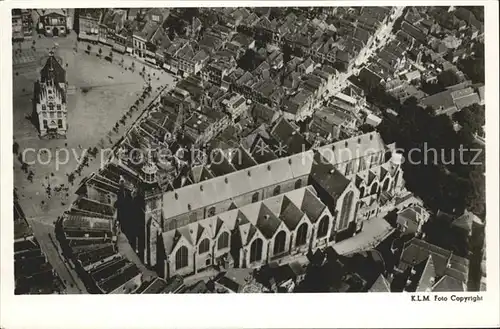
<point x="87" y="234"/>
<point x="22" y="24"/>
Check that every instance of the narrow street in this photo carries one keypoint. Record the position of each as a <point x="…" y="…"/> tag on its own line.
<point x="384" y="34"/>
<point x="44" y="233"/>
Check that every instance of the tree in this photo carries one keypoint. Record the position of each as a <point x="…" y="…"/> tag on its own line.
<point x="287" y="53"/>
<point x="447" y="78"/>
<point x="442" y="179"/>
<point x="472" y="118"/>
<point x="473" y="66"/>
<point x="366" y="128"/>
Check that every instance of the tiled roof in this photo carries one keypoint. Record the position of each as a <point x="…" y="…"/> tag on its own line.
<point x="148" y="30"/>
<point x="409" y="218"/>
<point x="380" y="285"/>
<point x="466" y="101"/>
<point x="466" y="221"/>
<point x="417" y="251"/>
<point x="354" y="147"/>
<point x="449" y="284"/>
<point x="467" y="16"/>
<point x="86" y="223"/>
<point x="290" y="213"/>
<point x="234" y="184"/>
<point x="267" y="222"/>
<point x="362" y="35"/>
<point x="263" y="112"/>
<point x="263" y="217"/>
<point x="330" y="179"/>
<point x="413" y="31"/>
<point x="94" y="13"/>
<point x="427" y="277"/>
<point x="440" y="100"/>
<point x="155" y="287"/>
<point x="53" y="71"/>
<point x="288" y="135"/>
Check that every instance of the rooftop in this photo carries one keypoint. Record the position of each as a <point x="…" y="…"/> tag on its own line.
<point x="263" y="217"/>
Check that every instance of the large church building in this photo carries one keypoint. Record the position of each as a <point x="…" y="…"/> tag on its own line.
<point x="272" y="210"/>
<point x="50" y="111"/>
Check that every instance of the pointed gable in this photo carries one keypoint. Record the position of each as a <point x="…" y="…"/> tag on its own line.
<point x="312" y="206"/>
<point x="428" y="276"/>
<point x="383" y="172"/>
<point x="290" y="214"/>
<point x="200" y="232"/>
<point x="267" y="222"/>
<point x="218" y="226"/>
<point x="169" y="241"/>
<point x="232" y="206"/>
<point x="185" y="232"/>
<point x="243" y="225"/>
<point x="178" y="237"/>
<point x="196" y="173"/>
<point x="252" y="231"/>
<point x="371" y="177"/>
<point x="380" y="285"/>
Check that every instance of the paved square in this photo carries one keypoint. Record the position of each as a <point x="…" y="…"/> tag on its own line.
<point x="99" y="94"/>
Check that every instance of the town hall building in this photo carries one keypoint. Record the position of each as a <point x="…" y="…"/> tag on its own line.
<point x="50" y="107"/>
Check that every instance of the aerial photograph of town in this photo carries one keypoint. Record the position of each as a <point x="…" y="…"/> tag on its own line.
<point x="248" y="150"/>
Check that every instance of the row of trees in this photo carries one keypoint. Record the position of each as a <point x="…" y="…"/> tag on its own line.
<point x="447" y="178"/>
<point x="145" y="93"/>
<point x="447" y="171"/>
<point x="110" y="57"/>
<point x="473" y="66"/>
